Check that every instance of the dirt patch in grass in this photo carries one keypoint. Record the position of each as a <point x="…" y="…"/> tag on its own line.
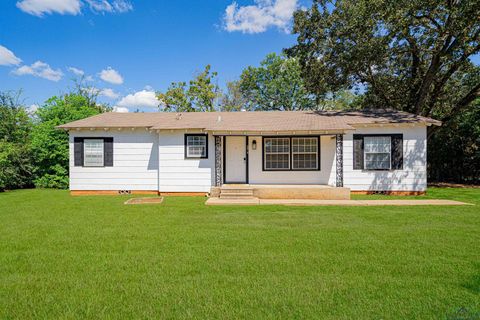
<point x="144" y="200"/>
<point x="452" y="185"/>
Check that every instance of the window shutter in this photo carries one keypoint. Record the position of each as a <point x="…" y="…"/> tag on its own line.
<point x="397" y="151"/>
<point x="108" y="152"/>
<point x="357" y="152"/>
<point x="78" y="152"/>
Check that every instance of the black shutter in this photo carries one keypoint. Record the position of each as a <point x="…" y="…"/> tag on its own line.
<point x="358" y="152"/>
<point x="78" y="152"/>
<point x="397" y="151"/>
<point x="108" y="152"/>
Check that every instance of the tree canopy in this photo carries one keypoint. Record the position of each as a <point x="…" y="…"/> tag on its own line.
<point x="406" y="55"/>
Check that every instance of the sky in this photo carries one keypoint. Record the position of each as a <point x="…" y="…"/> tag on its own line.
<point x="128" y="49"/>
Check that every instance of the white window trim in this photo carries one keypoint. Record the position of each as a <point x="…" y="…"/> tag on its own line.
<point x="287" y="153"/>
<point x="102" y="142"/>
<point x="389" y="154"/>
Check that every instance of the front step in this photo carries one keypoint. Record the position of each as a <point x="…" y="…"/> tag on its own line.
<point x="236" y="193"/>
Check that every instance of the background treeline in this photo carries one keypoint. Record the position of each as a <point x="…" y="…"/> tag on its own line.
<point x="414" y="56"/>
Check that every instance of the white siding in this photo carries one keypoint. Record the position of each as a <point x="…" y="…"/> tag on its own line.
<point x="326" y="174"/>
<point x="178" y="174"/>
<point x="413" y="177"/>
<point x="135" y="162"/>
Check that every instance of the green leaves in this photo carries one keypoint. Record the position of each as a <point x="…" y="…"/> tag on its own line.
<point x="201" y="94"/>
<point x="406" y="55"/>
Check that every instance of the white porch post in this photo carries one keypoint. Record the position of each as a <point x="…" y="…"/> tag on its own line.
<point x="339" y="160"/>
<point x="218" y="161"/>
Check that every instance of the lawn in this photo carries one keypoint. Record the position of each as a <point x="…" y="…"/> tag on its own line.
<point x="94" y="257"/>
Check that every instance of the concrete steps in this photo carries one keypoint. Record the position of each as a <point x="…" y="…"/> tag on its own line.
<point x="233" y="193"/>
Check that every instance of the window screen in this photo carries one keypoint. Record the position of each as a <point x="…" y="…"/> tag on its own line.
<point x="93" y="153"/>
<point x="377" y="151"/>
<point x="277" y="153"/>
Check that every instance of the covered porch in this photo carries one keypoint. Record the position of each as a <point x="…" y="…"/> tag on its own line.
<point x="293" y="165"/>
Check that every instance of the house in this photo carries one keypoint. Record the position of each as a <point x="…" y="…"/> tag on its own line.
<point x="196" y="153"/>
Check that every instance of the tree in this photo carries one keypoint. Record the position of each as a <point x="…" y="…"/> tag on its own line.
<point x="233" y="99"/>
<point x="276" y="85"/>
<point x="201" y="94"/>
<point x="407" y="55"/>
<point x="15" y="127"/>
<point x="50" y="145"/>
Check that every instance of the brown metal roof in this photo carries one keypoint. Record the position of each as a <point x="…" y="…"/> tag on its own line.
<point x="249" y="121"/>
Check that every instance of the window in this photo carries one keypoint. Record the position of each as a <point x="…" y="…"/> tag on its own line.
<point x="196" y="146"/>
<point x="93" y="153"/>
<point x="377" y="152"/>
<point x="277" y="153"/>
<point x="305" y="153"/>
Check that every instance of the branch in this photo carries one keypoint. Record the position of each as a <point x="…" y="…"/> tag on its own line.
<point x="473" y="94"/>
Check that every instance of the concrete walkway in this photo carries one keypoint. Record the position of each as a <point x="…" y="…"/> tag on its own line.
<point x="308" y="202"/>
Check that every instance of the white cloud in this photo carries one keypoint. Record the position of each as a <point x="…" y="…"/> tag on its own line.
<point x="120" y="109"/>
<point x="40" y="7"/>
<point x="32" y="109"/>
<point x="115" y="6"/>
<point x="77" y="72"/>
<point x="8" y="58"/>
<point x="260" y="16"/>
<point x="39" y="69"/>
<point x="111" y="75"/>
<point x="109" y="93"/>
<point x="140" y="99"/>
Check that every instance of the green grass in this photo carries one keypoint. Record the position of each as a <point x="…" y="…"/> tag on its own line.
<point x="94" y="257"/>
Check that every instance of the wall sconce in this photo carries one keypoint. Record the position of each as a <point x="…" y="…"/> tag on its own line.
<point x="254" y="145"/>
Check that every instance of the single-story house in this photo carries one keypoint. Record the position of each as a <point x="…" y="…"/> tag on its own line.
<point x="193" y="152"/>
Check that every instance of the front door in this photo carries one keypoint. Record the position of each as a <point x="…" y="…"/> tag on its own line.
<point x="235" y="159"/>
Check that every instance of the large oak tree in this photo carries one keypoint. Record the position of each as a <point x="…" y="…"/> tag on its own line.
<point x="408" y="55"/>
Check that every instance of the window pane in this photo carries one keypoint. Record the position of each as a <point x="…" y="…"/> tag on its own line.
<point x="197" y="146"/>
<point x="377" y="161"/>
<point x="305" y="153"/>
<point x="277" y="153"/>
<point x="377" y="144"/>
<point x="93" y="152"/>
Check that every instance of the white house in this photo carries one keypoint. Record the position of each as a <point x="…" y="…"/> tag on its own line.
<point x="189" y="153"/>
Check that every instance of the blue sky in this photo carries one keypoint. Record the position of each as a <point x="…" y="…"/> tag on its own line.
<point x="140" y="46"/>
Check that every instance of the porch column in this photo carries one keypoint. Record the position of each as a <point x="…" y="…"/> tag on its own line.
<point x="339" y="158"/>
<point x="218" y="161"/>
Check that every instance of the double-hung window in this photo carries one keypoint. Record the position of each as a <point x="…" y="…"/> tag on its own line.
<point x="305" y="153"/>
<point x="196" y="146"/>
<point x="93" y="153"/>
<point x="277" y="153"/>
<point x="377" y="152"/>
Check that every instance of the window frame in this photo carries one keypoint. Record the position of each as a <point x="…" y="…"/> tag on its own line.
<point x="291" y="153"/>
<point x="85" y="153"/>
<point x="186" y="145"/>
<point x="365" y="153"/>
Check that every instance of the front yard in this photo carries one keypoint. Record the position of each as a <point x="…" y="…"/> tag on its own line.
<point x="94" y="257"/>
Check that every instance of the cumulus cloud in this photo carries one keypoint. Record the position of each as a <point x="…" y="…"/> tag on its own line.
<point x="109" y="93"/>
<point x="115" y="6"/>
<point x="140" y="99"/>
<point x="111" y="75"/>
<point x="260" y="16"/>
<point x="76" y="71"/>
<point x="40" y="7"/>
<point x="120" y="109"/>
<point x="39" y="69"/>
<point x="8" y="58"/>
<point x="73" y="7"/>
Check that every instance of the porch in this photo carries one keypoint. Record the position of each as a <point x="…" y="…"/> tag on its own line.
<point x="309" y="166"/>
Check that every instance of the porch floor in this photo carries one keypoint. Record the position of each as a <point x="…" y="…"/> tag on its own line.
<point x="282" y="191"/>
